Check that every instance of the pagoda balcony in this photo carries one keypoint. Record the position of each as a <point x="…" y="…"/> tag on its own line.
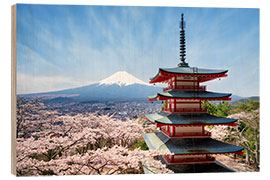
<point x="187" y="134"/>
<point x="188" y="160"/>
<point x="190" y="134"/>
<point x="186" y="88"/>
<point x="185" y="110"/>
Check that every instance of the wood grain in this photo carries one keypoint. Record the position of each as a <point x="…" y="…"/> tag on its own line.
<point x="13" y="87"/>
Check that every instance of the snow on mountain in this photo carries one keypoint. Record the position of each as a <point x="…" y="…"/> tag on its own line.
<point x="120" y="86"/>
<point x="122" y="78"/>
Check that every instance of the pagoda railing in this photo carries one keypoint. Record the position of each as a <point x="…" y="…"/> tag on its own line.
<point x="206" y="134"/>
<point x="190" y="110"/>
<point x="186" y="134"/>
<point x="185" y="110"/>
<point x="186" y="88"/>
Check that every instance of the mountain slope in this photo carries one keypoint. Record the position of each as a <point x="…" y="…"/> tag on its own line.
<point x="236" y="98"/>
<point x="122" y="78"/>
<point x="120" y="86"/>
<point x="246" y="99"/>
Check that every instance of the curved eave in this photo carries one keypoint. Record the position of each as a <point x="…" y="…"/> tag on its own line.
<point x="188" y="146"/>
<point x="164" y="74"/>
<point x="188" y="119"/>
<point x="190" y="70"/>
<point x="201" y="95"/>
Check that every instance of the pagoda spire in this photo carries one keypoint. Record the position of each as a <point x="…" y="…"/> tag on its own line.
<point x="182" y="43"/>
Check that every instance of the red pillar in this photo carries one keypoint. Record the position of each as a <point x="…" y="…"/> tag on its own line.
<point x="172" y="160"/>
<point x="174" y="82"/>
<point x="174" y="105"/>
<point x="198" y="84"/>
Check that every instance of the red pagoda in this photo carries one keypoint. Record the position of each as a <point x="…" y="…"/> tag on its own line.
<point x="182" y="120"/>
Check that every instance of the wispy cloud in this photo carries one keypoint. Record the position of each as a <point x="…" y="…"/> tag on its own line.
<point x="33" y="84"/>
<point x="89" y="43"/>
<point x="32" y="62"/>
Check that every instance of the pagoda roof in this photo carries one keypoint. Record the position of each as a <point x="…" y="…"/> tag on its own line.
<point x="195" y="168"/>
<point x="186" y="168"/>
<point x="188" y="119"/>
<point x="188" y="146"/>
<point x="165" y="73"/>
<point x="180" y="94"/>
<point x="192" y="70"/>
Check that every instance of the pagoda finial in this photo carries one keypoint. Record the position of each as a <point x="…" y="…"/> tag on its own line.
<point x="182" y="43"/>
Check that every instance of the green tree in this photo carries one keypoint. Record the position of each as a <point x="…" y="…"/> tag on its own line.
<point x="248" y="106"/>
<point x="246" y="134"/>
<point x="223" y="109"/>
<point x="210" y="107"/>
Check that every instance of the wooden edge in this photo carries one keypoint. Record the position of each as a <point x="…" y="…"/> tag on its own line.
<point x="13" y="86"/>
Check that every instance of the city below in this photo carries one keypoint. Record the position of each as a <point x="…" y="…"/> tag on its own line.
<point x="121" y="95"/>
<point x="118" y="110"/>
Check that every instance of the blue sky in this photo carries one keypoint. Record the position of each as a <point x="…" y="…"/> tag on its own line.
<point x="60" y="47"/>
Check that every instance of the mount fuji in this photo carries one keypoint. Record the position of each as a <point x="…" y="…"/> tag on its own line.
<point x="122" y="78"/>
<point x="121" y="86"/>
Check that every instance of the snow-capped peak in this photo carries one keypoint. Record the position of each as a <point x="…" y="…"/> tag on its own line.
<point x="122" y="78"/>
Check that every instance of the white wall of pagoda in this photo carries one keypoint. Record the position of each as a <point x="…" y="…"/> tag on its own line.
<point x="191" y="129"/>
<point x="179" y="157"/>
<point x="186" y="78"/>
<point x="184" y="83"/>
<point x="185" y="131"/>
<point x="192" y="105"/>
<point x="189" y="105"/>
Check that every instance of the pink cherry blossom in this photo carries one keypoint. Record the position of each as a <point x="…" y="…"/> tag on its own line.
<point x="49" y="143"/>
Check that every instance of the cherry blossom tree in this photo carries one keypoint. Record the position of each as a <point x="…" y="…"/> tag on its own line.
<point x="27" y="111"/>
<point x="246" y="134"/>
<point x="51" y="144"/>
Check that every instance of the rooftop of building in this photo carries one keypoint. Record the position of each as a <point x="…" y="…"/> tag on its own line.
<point x="188" y="119"/>
<point x="197" y="168"/>
<point x="180" y="94"/>
<point x="188" y="146"/>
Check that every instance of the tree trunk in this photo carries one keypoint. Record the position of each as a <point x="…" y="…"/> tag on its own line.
<point x="247" y="158"/>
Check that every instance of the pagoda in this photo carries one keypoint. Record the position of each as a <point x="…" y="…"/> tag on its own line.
<point x="182" y="120"/>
